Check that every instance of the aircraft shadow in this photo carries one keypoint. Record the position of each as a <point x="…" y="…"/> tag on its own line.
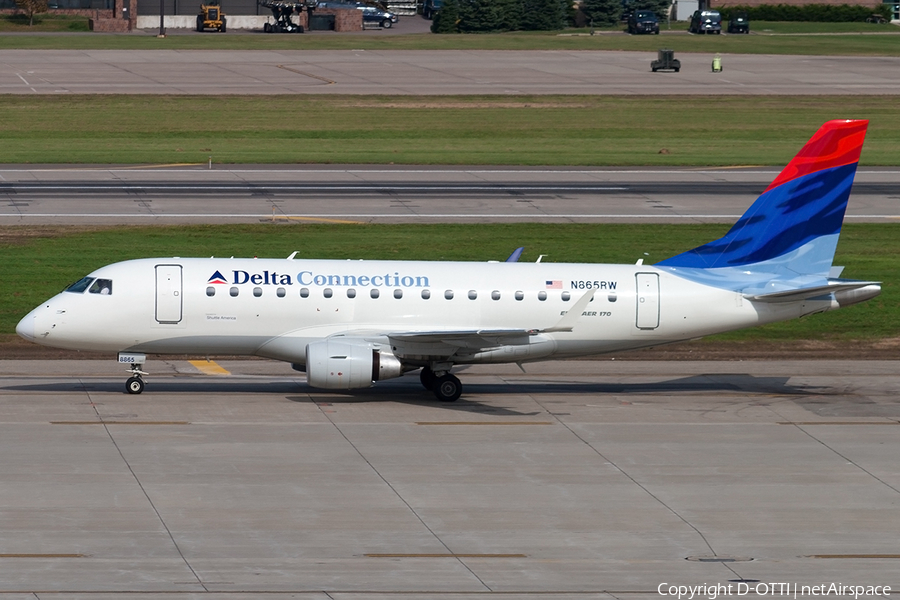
<point x="408" y="389"/>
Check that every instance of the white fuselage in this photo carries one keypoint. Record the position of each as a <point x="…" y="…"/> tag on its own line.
<point x="275" y="307"/>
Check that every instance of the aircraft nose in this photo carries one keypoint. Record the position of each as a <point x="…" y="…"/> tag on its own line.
<point x="25" y="328"/>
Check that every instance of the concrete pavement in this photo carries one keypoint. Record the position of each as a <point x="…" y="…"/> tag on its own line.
<point x="583" y="479"/>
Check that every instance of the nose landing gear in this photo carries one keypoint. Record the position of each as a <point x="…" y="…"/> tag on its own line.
<point x="135" y="383"/>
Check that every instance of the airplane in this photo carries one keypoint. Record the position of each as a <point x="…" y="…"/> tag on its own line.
<point x="349" y="324"/>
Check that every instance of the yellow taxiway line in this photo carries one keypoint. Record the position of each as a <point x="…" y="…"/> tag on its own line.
<point x="209" y="367"/>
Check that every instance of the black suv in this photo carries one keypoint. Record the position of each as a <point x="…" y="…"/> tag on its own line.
<point x="706" y="21"/>
<point x="739" y="23"/>
<point x="643" y="21"/>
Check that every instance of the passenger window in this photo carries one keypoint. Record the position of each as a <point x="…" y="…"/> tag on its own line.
<point x="257" y="291"/>
<point x="542" y="296"/>
<point x="472" y="294"/>
<point x="374" y="293"/>
<point x="520" y="295"/>
<point x="448" y="294"/>
<point x="351" y="293"/>
<point x="612" y="297"/>
<point x="234" y="292"/>
<point x="426" y="294"/>
<point x="304" y="292"/>
<point x="566" y="296"/>
<point x="79" y="286"/>
<point x="398" y="293"/>
<point x="328" y="293"/>
<point x="495" y="295"/>
<point x="280" y="292"/>
<point x="211" y="291"/>
<point x="101" y="286"/>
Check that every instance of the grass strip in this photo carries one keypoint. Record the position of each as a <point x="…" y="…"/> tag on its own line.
<point x="844" y="39"/>
<point x="40" y="261"/>
<point x="459" y="130"/>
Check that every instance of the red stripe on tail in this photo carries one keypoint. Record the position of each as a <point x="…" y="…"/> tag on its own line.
<point x="835" y="144"/>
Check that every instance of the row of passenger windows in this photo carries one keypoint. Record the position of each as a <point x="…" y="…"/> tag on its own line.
<point x="397" y="293"/>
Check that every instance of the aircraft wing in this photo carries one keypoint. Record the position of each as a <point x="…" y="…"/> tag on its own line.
<point x="446" y="342"/>
<point x="809" y="293"/>
<point x="473" y="340"/>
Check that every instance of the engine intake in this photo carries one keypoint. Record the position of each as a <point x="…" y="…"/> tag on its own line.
<point x="340" y="365"/>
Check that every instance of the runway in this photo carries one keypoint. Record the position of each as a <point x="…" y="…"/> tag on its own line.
<point x="408" y="194"/>
<point x="575" y="480"/>
<point x="437" y="72"/>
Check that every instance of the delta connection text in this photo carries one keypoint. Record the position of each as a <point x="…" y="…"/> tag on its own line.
<point x="794" y="590"/>
<point x="311" y="278"/>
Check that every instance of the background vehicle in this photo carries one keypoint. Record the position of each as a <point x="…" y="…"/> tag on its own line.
<point x="370" y="14"/>
<point x="739" y="23"/>
<point x="430" y="8"/>
<point x="373" y="14"/>
<point x="211" y="17"/>
<point x="643" y="21"/>
<point x="706" y="21"/>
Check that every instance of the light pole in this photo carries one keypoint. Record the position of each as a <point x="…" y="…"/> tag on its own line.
<point x="162" y="23"/>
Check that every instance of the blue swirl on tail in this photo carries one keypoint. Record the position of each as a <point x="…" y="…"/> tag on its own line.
<point x="796" y="214"/>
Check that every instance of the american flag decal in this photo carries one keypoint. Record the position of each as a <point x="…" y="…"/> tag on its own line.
<point x="556" y="284"/>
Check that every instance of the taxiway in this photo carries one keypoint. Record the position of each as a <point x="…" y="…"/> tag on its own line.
<point x="575" y="480"/>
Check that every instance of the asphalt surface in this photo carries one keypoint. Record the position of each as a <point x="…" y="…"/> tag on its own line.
<point x="86" y="195"/>
<point x="418" y="72"/>
<point x="575" y="480"/>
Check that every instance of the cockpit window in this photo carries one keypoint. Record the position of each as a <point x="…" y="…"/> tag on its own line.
<point x="79" y="286"/>
<point x="102" y="286"/>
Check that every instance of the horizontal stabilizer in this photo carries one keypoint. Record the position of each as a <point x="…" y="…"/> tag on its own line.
<point x="816" y="292"/>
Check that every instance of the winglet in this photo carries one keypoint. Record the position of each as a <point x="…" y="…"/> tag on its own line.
<point x="514" y="257"/>
<point x="567" y="323"/>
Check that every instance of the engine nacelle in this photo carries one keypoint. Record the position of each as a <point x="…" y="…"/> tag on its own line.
<point x="336" y="364"/>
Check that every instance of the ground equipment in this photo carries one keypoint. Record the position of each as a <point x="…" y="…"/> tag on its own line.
<point x="282" y="12"/>
<point x="666" y="60"/>
<point x="211" y="17"/>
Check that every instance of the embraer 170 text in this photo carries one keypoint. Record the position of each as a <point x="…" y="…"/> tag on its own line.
<point x="348" y="324"/>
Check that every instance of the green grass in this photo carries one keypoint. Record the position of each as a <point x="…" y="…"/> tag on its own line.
<point x="832" y="43"/>
<point x="43" y="23"/>
<point x="806" y="28"/>
<point x="37" y="262"/>
<point x="521" y="130"/>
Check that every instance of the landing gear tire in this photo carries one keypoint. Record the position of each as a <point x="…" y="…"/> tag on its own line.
<point x="134" y="385"/>
<point x="428" y="379"/>
<point x="447" y="388"/>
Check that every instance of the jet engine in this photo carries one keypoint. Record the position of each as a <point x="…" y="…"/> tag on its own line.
<point x="336" y="364"/>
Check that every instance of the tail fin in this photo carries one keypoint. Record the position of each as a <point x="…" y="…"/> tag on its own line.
<point x="794" y="225"/>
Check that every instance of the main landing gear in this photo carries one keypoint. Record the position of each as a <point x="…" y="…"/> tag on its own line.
<point x="135" y="383"/>
<point x="446" y="386"/>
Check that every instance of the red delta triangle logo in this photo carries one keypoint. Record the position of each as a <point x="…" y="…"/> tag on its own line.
<point x="217" y="278"/>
